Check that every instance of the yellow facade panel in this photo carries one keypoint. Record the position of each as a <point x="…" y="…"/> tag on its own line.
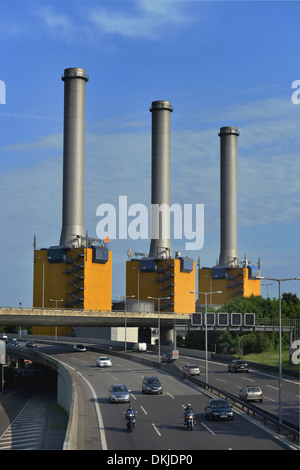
<point x="77" y="283"/>
<point x="166" y="281"/>
<point x="237" y="284"/>
<point x="97" y="283"/>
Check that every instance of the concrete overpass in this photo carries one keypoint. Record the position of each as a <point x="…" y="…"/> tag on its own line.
<point x="76" y="318"/>
<point x="10" y="316"/>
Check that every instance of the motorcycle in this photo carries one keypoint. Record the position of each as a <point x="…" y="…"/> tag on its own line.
<point x="130" y="421"/>
<point x="190" y="421"/>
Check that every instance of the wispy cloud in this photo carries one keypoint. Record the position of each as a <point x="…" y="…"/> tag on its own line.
<point x="54" y="21"/>
<point x="87" y="21"/>
<point x="141" y="19"/>
<point x="48" y="142"/>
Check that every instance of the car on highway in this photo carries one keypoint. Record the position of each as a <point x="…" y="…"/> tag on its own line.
<point x="119" y="393"/>
<point x="15" y="343"/>
<point x="139" y="347"/>
<point x="168" y="358"/>
<point x="10" y="340"/>
<point x="218" y="409"/>
<point x="31" y="344"/>
<point x="79" y="347"/>
<point x="151" y="384"/>
<point x="238" y="365"/>
<point x="103" y="361"/>
<point x="192" y="369"/>
<point x="251" y="393"/>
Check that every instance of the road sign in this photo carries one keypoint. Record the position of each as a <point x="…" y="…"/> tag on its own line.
<point x="196" y="319"/>
<point x="249" y="319"/>
<point x="223" y="319"/>
<point x="175" y="354"/>
<point x="211" y="320"/>
<point x="236" y="319"/>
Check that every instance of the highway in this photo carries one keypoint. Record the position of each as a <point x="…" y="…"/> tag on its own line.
<point x="159" y="419"/>
<point x="219" y="377"/>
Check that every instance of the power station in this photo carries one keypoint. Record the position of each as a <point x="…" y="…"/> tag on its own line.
<point x="162" y="278"/>
<point x="230" y="277"/>
<point x="77" y="273"/>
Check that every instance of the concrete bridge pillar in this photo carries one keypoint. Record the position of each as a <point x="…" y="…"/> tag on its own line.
<point x="144" y="335"/>
<point x="166" y="336"/>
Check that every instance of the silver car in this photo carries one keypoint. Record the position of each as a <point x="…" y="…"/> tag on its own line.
<point x="103" y="361"/>
<point x="119" y="394"/>
<point x="249" y="393"/>
<point x="192" y="369"/>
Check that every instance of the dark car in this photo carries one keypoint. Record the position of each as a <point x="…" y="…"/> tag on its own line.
<point x="30" y="344"/>
<point x="168" y="358"/>
<point x="79" y="347"/>
<point x="151" y="384"/>
<point x="218" y="409"/>
<point x="238" y="365"/>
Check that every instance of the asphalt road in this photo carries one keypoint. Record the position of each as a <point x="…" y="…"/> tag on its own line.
<point x="160" y="418"/>
<point x="219" y="377"/>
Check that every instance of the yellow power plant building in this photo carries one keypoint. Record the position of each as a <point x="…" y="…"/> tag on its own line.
<point x="161" y="278"/>
<point x="232" y="281"/>
<point x="72" y="278"/>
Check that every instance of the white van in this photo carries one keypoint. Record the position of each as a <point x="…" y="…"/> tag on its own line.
<point x="139" y="347"/>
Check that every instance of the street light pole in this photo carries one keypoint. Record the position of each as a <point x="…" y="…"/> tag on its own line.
<point x="206" y="352"/>
<point x="56" y="300"/>
<point x="125" y="325"/>
<point x="279" y="327"/>
<point x="158" y="299"/>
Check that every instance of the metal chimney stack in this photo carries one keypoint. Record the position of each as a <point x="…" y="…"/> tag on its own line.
<point x="229" y="228"/>
<point x="160" y="192"/>
<point x="73" y="172"/>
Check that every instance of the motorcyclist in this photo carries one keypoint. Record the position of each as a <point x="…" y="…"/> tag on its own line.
<point x="188" y="411"/>
<point x="129" y="414"/>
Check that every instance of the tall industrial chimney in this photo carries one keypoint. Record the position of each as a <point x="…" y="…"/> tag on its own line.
<point x="228" y="164"/>
<point x="160" y="192"/>
<point x="73" y="167"/>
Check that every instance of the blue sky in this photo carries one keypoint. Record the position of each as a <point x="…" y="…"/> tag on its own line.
<point x="219" y="63"/>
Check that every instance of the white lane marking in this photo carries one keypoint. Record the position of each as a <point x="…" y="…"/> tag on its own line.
<point x="170" y="395"/>
<point x="247" y="378"/>
<point x="66" y="365"/>
<point x="271" y="386"/>
<point x="142" y="408"/>
<point x="99" y="415"/>
<point x="154" y="427"/>
<point x="208" y="429"/>
<point x="267" y="398"/>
